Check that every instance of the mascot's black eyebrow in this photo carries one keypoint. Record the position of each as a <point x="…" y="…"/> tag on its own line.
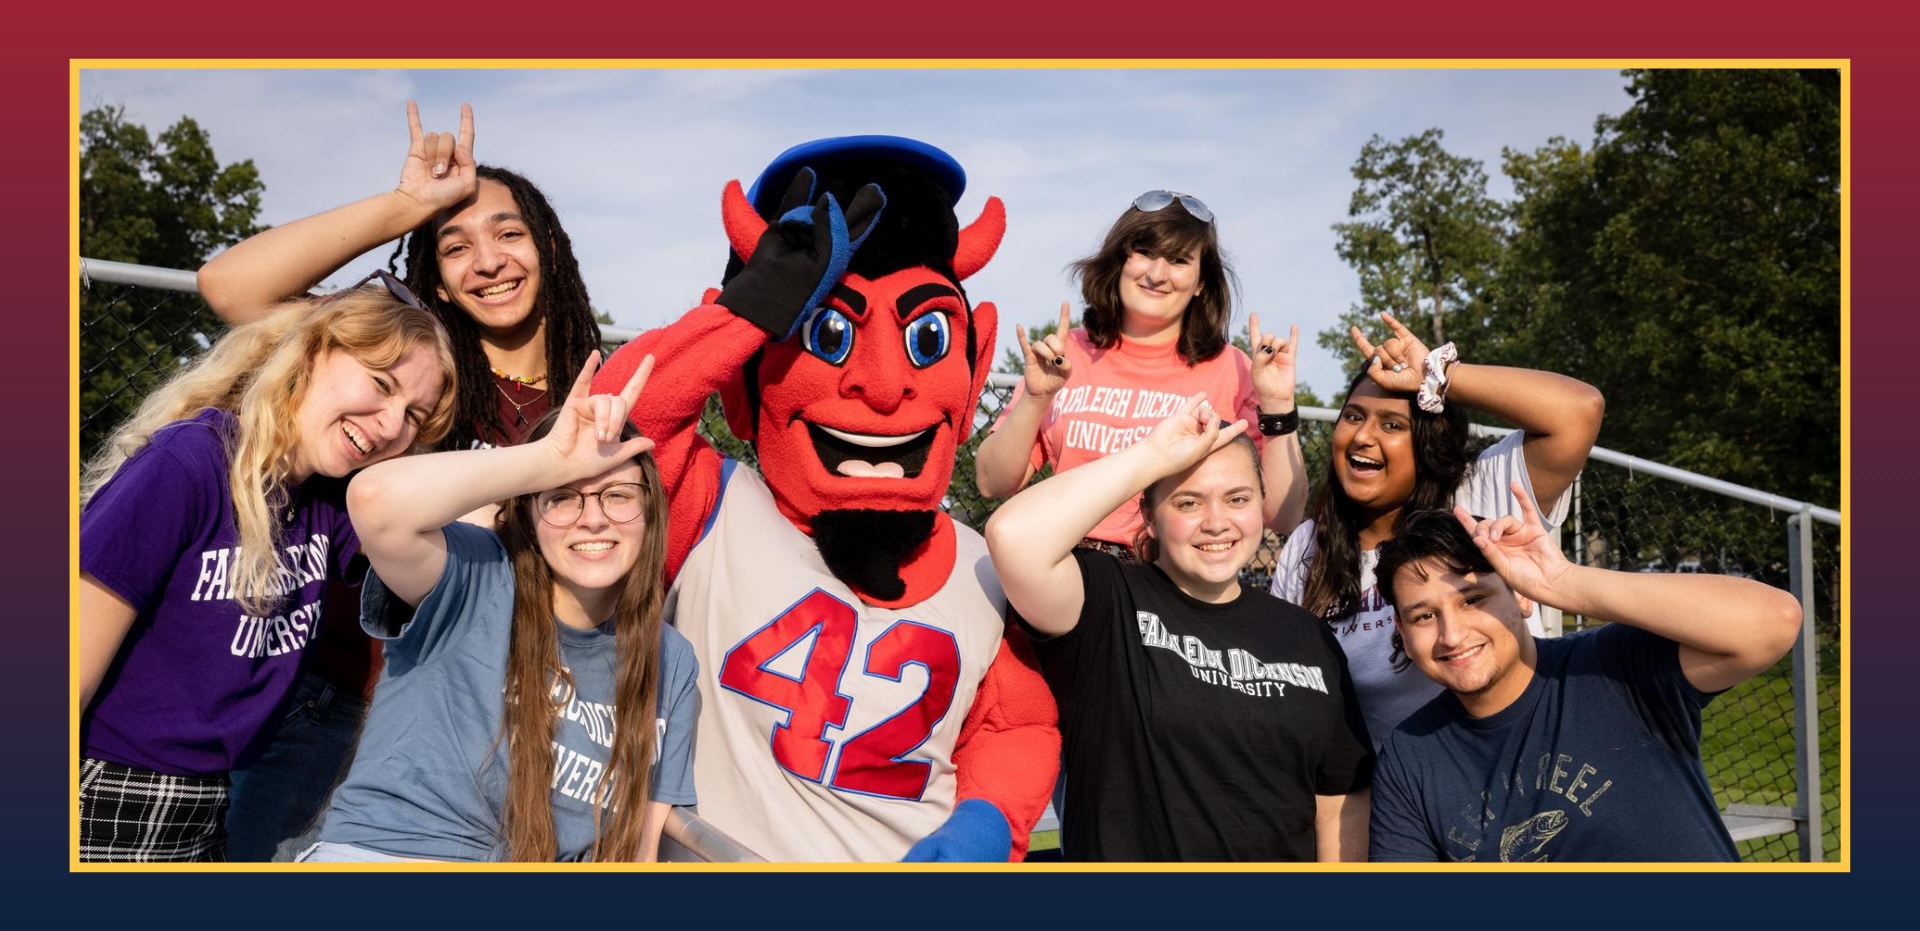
<point x="855" y="301"/>
<point x="921" y="294"/>
<point x="904" y="308"/>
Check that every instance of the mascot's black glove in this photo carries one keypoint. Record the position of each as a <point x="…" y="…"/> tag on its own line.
<point x="801" y="256"/>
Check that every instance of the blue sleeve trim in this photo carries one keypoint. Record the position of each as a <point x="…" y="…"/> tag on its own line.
<point x="726" y="477"/>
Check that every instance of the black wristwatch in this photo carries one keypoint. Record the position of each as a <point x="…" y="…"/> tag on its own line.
<point x="1279" y="424"/>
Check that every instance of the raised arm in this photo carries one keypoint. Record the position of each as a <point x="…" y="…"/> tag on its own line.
<point x="1559" y="415"/>
<point x="1004" y="461"/>
<point x="399" y="506"/>
<point x="242" y="283"/>
<point x="1031" y="537"/>
<point x="1274" y="376"/>
<point x="1728" y="628"/>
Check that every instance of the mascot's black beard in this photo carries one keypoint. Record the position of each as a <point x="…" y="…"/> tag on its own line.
<point x="865" y="548"/>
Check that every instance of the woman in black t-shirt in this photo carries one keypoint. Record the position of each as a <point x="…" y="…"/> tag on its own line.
<point x="1202" y="720"/>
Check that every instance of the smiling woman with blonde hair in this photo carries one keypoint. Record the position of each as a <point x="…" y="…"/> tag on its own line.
<point x="209" y="524"/>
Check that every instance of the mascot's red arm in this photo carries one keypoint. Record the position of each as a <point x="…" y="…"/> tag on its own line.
<point x="702" y="352"/>
<point x="1009" y="748"/>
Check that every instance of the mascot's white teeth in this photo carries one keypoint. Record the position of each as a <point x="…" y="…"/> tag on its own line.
<point x="872" y="441"/>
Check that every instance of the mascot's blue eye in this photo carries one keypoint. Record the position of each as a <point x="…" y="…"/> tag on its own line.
<point x="928" y="338"/>
<point x="828" y="334"/>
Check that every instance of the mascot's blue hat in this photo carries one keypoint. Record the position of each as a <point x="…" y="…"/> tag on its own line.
<point x="826" y="156"/>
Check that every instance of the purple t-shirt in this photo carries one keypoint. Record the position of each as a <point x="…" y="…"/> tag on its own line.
<point x="195" y="684"/>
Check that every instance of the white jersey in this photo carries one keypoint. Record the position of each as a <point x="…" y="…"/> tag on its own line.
<point x="827" y="725"/>
<point x="1388" y="695"/>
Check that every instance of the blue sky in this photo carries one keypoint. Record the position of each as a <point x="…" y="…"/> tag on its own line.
<point x="635" y="159"/>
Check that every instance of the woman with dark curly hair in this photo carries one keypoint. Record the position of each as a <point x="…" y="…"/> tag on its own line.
<point x="1401" y="445"/>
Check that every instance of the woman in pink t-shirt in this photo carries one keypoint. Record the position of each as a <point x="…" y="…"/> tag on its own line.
<point x="1158" y="296"/>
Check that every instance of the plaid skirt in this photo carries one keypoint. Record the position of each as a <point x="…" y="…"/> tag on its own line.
<point x="133" y="814"/>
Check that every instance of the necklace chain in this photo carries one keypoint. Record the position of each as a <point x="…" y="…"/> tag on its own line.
<point x="519" y="407"/>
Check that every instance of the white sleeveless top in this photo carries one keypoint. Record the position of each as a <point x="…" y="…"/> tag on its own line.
<point x="828" y="725"/>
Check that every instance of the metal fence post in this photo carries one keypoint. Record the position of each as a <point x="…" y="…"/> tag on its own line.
<point x="1806" y="691"/>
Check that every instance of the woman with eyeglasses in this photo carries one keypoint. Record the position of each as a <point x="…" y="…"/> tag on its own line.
<point x="1158" y="296"/>
<point x="534" y="706"/>
<point x="210" y="522"/>
<point x="485" y="250"/>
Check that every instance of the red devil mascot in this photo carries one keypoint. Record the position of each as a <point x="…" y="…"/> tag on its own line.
<point x="862" y="698"/>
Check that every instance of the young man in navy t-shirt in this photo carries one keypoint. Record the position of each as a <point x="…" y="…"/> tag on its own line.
<point x="1585" y="748"/>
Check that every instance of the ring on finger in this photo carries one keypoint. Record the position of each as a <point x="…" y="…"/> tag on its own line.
<point x="1059" y="361"/>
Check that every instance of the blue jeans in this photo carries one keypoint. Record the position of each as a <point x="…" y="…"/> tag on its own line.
<point x="275" y="804"/>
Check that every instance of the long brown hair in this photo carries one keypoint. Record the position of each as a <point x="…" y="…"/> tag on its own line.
<point x="533" y="670"/>
<point x="1171" y="229"/>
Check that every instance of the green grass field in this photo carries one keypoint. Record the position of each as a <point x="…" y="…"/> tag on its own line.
<point x="1748" y="749"/>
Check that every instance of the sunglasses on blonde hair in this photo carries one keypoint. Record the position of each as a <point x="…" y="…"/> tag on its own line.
<point x="393" y="284"/>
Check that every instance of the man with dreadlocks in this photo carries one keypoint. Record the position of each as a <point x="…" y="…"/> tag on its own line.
<point x="862" y="699"/>
<point x="486" y="253"/>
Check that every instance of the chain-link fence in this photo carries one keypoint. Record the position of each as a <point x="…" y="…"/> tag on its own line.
<point x="1771" y="744"/>
<point x="136" y="325"/>
<point x="1769" y="759"/>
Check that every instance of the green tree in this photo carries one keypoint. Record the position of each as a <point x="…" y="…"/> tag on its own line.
<point x="1688" y="265"/>
<point x="165" y="202"/>
<point x="1425" y="239"/>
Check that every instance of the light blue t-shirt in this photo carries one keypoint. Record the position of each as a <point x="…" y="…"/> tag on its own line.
<point x="429" y="778"/>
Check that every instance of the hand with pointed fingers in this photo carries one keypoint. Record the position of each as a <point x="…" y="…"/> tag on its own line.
<point x="1190" y="434"/>
<point x="1398" y="363"/>
<point x="1519" y="547"/>
<point x="1274" y="373"/>
<point x="801" y="256"/>
<point x="1047" y="368"/>
<point x="586" y="437"/>
<point x="439" y="171"/>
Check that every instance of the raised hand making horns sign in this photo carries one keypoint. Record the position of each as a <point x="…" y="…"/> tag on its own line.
<point x="439" y="171"/>
<point x="1047" y="368"/>
<point x="1396" y="364"/>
